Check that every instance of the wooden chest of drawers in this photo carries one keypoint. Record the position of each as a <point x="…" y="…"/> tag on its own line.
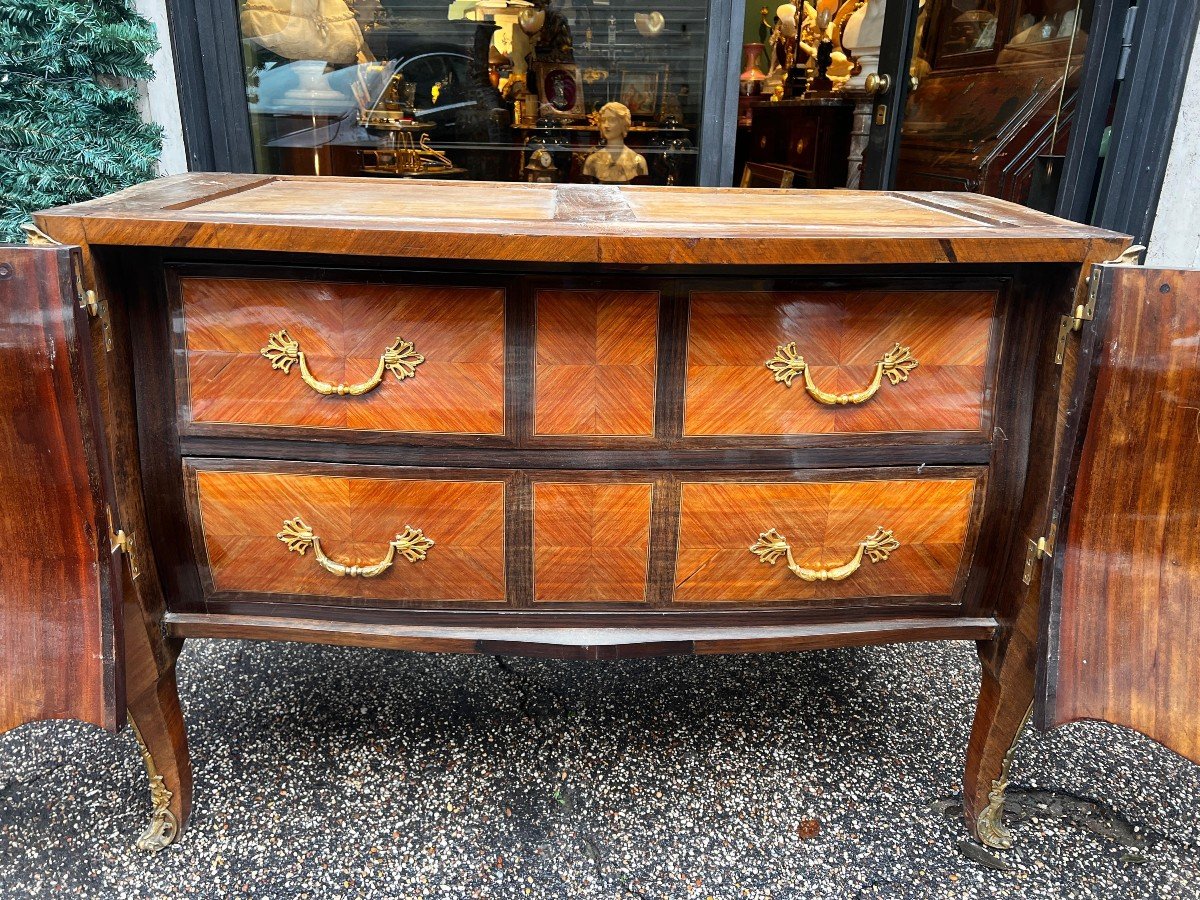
<point x="544" y="420"/>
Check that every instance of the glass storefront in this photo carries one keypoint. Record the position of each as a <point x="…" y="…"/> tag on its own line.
<point x="616" y="91"/>
<point x="497" y="89"/>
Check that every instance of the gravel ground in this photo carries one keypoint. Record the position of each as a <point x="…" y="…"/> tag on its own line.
<point x="324" y="772"/>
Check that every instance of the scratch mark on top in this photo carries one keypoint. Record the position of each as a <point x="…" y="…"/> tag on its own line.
<point x="591" y="203"/>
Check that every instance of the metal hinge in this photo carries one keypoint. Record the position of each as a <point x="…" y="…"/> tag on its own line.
<point x="1126" y="41"/>
<point x="1085" y="312"/>
<point x="1042" y="548"/>
<point x="87" y="298"/>
<point x="90" y="301"/>
<point x="119" y="540"/>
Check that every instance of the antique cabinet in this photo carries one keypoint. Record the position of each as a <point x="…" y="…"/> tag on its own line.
<point x="984" y="129"/>
<point x="808" y="134"/>
<point x="595" y="422"/>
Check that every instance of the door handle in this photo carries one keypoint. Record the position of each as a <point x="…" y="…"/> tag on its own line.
<point x="878" y="84"/>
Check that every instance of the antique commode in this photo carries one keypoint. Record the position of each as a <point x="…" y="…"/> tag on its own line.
<point x="595" y="422"/>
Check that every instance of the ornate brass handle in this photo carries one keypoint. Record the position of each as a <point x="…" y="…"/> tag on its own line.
<point x="787" y="363"/>
<point x="299" y="537"/>
<point x="771" y="545"/>
<point x="401" y="359"/>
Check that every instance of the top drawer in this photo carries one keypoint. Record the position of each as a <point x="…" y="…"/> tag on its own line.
<point x="338" y="355"/>
<point x="839" y="362"/>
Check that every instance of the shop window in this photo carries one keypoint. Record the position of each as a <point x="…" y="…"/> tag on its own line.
<point x="480" y="89"/>
<point x="993" y="96"/>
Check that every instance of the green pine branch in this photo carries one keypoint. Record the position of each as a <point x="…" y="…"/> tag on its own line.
<point x="69" y="124"/>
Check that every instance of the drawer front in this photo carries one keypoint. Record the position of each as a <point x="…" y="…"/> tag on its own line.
<point x="287" y="534"/>
<point x="374" y="536"/>
<point x="786" y="541"/>
<point x="870" y="361"/>
<point x="407" y="357"/>
<point x="591" y="542"/>
<point x="596" y="356"/>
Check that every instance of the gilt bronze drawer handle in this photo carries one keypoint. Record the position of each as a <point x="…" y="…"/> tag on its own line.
<point x="787" y="363"/>
<point x="401" y="359"/>
<point x="771" y="545"/>
<point x="411" y="542"/>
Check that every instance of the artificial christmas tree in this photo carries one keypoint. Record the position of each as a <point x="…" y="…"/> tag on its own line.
<point x="69" y="124"/>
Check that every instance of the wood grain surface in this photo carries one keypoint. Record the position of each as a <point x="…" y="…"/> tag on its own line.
<point x="355" y="518"/>
<point x="591" y="542"/>
<point x="823" y="523"/>
<point x="841" y="335"/>
<point x="571" y="224"/>
<point x="1127" y="628"/>
<point x="595" y="362"/>
<point x="343" y="328"/>
<point x="59" y="584"/>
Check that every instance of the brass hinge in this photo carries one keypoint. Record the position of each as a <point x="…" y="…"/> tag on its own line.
<point x="87" y="298"/>
<point x="1085" y="312"/>
<point x="120" y="540"/>
<point x="1042" y="548"/>
<point x="90" y="301"/>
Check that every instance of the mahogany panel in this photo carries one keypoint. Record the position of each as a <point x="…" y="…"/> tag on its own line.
<point x="591" y="542"/>
<point x="59" y="586"/>
<point x="343" y="328"/>
<point x="241" y="514"/>
<point x="1123" y="636"/>
<point x="841" y="336"/>
<point x="823" y="523"/>
<point x="595" y="362"/>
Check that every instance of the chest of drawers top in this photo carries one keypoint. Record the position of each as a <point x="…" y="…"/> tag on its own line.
<point x="572" y="224"/>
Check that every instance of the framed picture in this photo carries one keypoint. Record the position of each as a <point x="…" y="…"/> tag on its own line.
<point x="560" y="85"/>
<point x="640" y="91"/>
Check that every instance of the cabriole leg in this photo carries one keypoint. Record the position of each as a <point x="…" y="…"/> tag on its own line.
<point x="157" y="722"/>
<point x="1004" y="706"/>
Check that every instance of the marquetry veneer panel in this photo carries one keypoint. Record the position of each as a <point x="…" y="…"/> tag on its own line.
<point x="343" y="328"/>
<point x="841" y="336"/>
<point x="823" y="523"/>
<point x="595" y="362"/>
<point x="355" y="518"/>
<point x="591" y="542"/>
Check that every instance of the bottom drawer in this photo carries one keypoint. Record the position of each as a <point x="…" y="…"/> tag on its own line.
<point x="871" y="536"/>
<point x="403" y="538"/>
<point x="299" y="534"/>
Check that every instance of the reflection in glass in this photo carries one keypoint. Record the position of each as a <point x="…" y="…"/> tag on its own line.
<point x="483" y="89"/>
<point x="994" y="91"/>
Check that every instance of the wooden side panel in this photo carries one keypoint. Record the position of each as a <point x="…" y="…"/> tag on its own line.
<point x="591" y="542"/>
<point x="343" y="328"/>
<point x="1123" y="638"/>
<point x="595" y="362"/>
<point x="841" y="335"/>
<point x="241" y="514"/>
<point x="823" y="523"/>
<point x="59" y="585"/>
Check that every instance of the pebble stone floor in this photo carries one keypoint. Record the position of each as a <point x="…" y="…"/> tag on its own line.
<point x="324" y="772"/>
